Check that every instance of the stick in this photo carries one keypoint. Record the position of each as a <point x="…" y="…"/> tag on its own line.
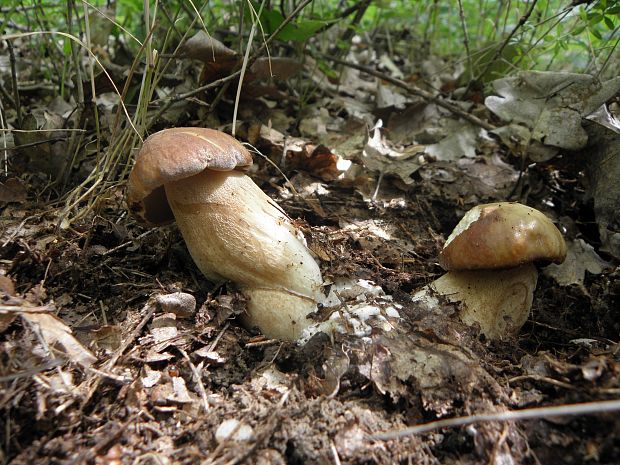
<point x="417" y="91"/>
<point x="511" y="415"/>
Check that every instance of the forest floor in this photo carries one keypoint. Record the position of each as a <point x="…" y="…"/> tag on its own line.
<point x="136" y="381"/>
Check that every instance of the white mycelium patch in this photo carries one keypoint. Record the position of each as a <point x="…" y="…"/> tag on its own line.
<point x="358" y="307"/>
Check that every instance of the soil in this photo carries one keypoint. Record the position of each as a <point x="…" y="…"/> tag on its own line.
<point x="100" y="275"/>
<point x="154" y="384"/>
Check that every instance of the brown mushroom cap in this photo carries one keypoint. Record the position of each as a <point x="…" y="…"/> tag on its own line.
<point x="502" y="235"/>
<point x="175" y="154"/>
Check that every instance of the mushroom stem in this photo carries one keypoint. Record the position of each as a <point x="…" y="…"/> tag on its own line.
<point x="278" y="312"/>
<point x="499" y="301"/>
<point x="233" y="230"/>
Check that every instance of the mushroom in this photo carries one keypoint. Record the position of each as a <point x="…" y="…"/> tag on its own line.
<point x="490" y="259"/>
<point x="232" y="229"/>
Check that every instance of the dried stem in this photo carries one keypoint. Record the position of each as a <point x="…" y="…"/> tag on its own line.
<point x="419" y="92"/>
<point x="514" y="415"/>
<point x="501" y="48"/>
<point x="466" y="40"/>
<point x="16" y="102"/>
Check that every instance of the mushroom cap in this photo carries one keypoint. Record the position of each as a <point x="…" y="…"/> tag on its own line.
<point x="175" y="154"/>
<point x="502" y="235"/>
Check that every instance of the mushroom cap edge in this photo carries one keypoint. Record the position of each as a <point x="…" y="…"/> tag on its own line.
<point x="174" y="154"/>
<point x="502" y="235"/>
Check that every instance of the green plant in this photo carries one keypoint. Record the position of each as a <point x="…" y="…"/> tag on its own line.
<point x="66" y="45"/>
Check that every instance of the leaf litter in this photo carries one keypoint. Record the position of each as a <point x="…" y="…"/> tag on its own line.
<point x="123" y="353"/>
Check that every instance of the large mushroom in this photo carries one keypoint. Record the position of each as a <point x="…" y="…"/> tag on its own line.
<point x="232" y="229"/>
<point x="490" y="259"/>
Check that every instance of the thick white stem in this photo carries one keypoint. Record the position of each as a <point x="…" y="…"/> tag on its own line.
<point x="233" y="230"/>
<point x="498" y="301"/>
<point x="279" y="313"/>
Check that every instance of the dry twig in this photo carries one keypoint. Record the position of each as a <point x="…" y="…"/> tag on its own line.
<point x="586" y="408"/>
<point x="416" y="91"/>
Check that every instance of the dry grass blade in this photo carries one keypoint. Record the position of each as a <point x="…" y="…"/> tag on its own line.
<point x="586" y="408"/>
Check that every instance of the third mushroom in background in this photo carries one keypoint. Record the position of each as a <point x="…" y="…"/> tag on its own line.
<point x="490" y="259"/>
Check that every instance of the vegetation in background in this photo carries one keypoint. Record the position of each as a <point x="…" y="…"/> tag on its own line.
<point x="81" y="42"/>
<point x="560" y="35"/>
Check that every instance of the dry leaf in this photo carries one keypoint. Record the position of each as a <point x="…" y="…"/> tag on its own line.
<point x="12" y="190"/>
<point x="54" y="332"/>
<point x="550" y="105"/>
<point x="379" y="156"/>
<point x="580" y="258"/>
<point x="206" y="48"/>
<point x="164" y="327"/>
<point x="281" y="68"/>
<point x="107" y="337"/>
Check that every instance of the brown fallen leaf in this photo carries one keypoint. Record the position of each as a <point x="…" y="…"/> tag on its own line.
<point x="12" y="190"/>
<point x="206" y="48"/>
<point x="7" y="289"/>
<point x="379" y="156"/>
<point x="107" y="337"/>
<point x="581" y="257"/>
<point x="299" y="153"/>
<point x="316" y="160"/>
<point x="55" y="332"/>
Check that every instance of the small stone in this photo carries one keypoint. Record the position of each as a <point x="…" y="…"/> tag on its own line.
<point x="233" y="430"/>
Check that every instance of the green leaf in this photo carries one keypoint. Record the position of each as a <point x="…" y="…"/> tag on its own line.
<point x="596" y="34"/>
<point x="307" y="28"/>
<point x="578" y="30"/>
<point x="66" y="48"/>
<point x="595" y="18"/>
<point x="600" y="5"/>
<point x="298" y="31"/>
<point x="609" y="23"/>
<point x="331" y="74"/>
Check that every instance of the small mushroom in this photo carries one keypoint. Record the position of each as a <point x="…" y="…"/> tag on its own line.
<point x="232" y="229"/>
<point x="489" y="257"/>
